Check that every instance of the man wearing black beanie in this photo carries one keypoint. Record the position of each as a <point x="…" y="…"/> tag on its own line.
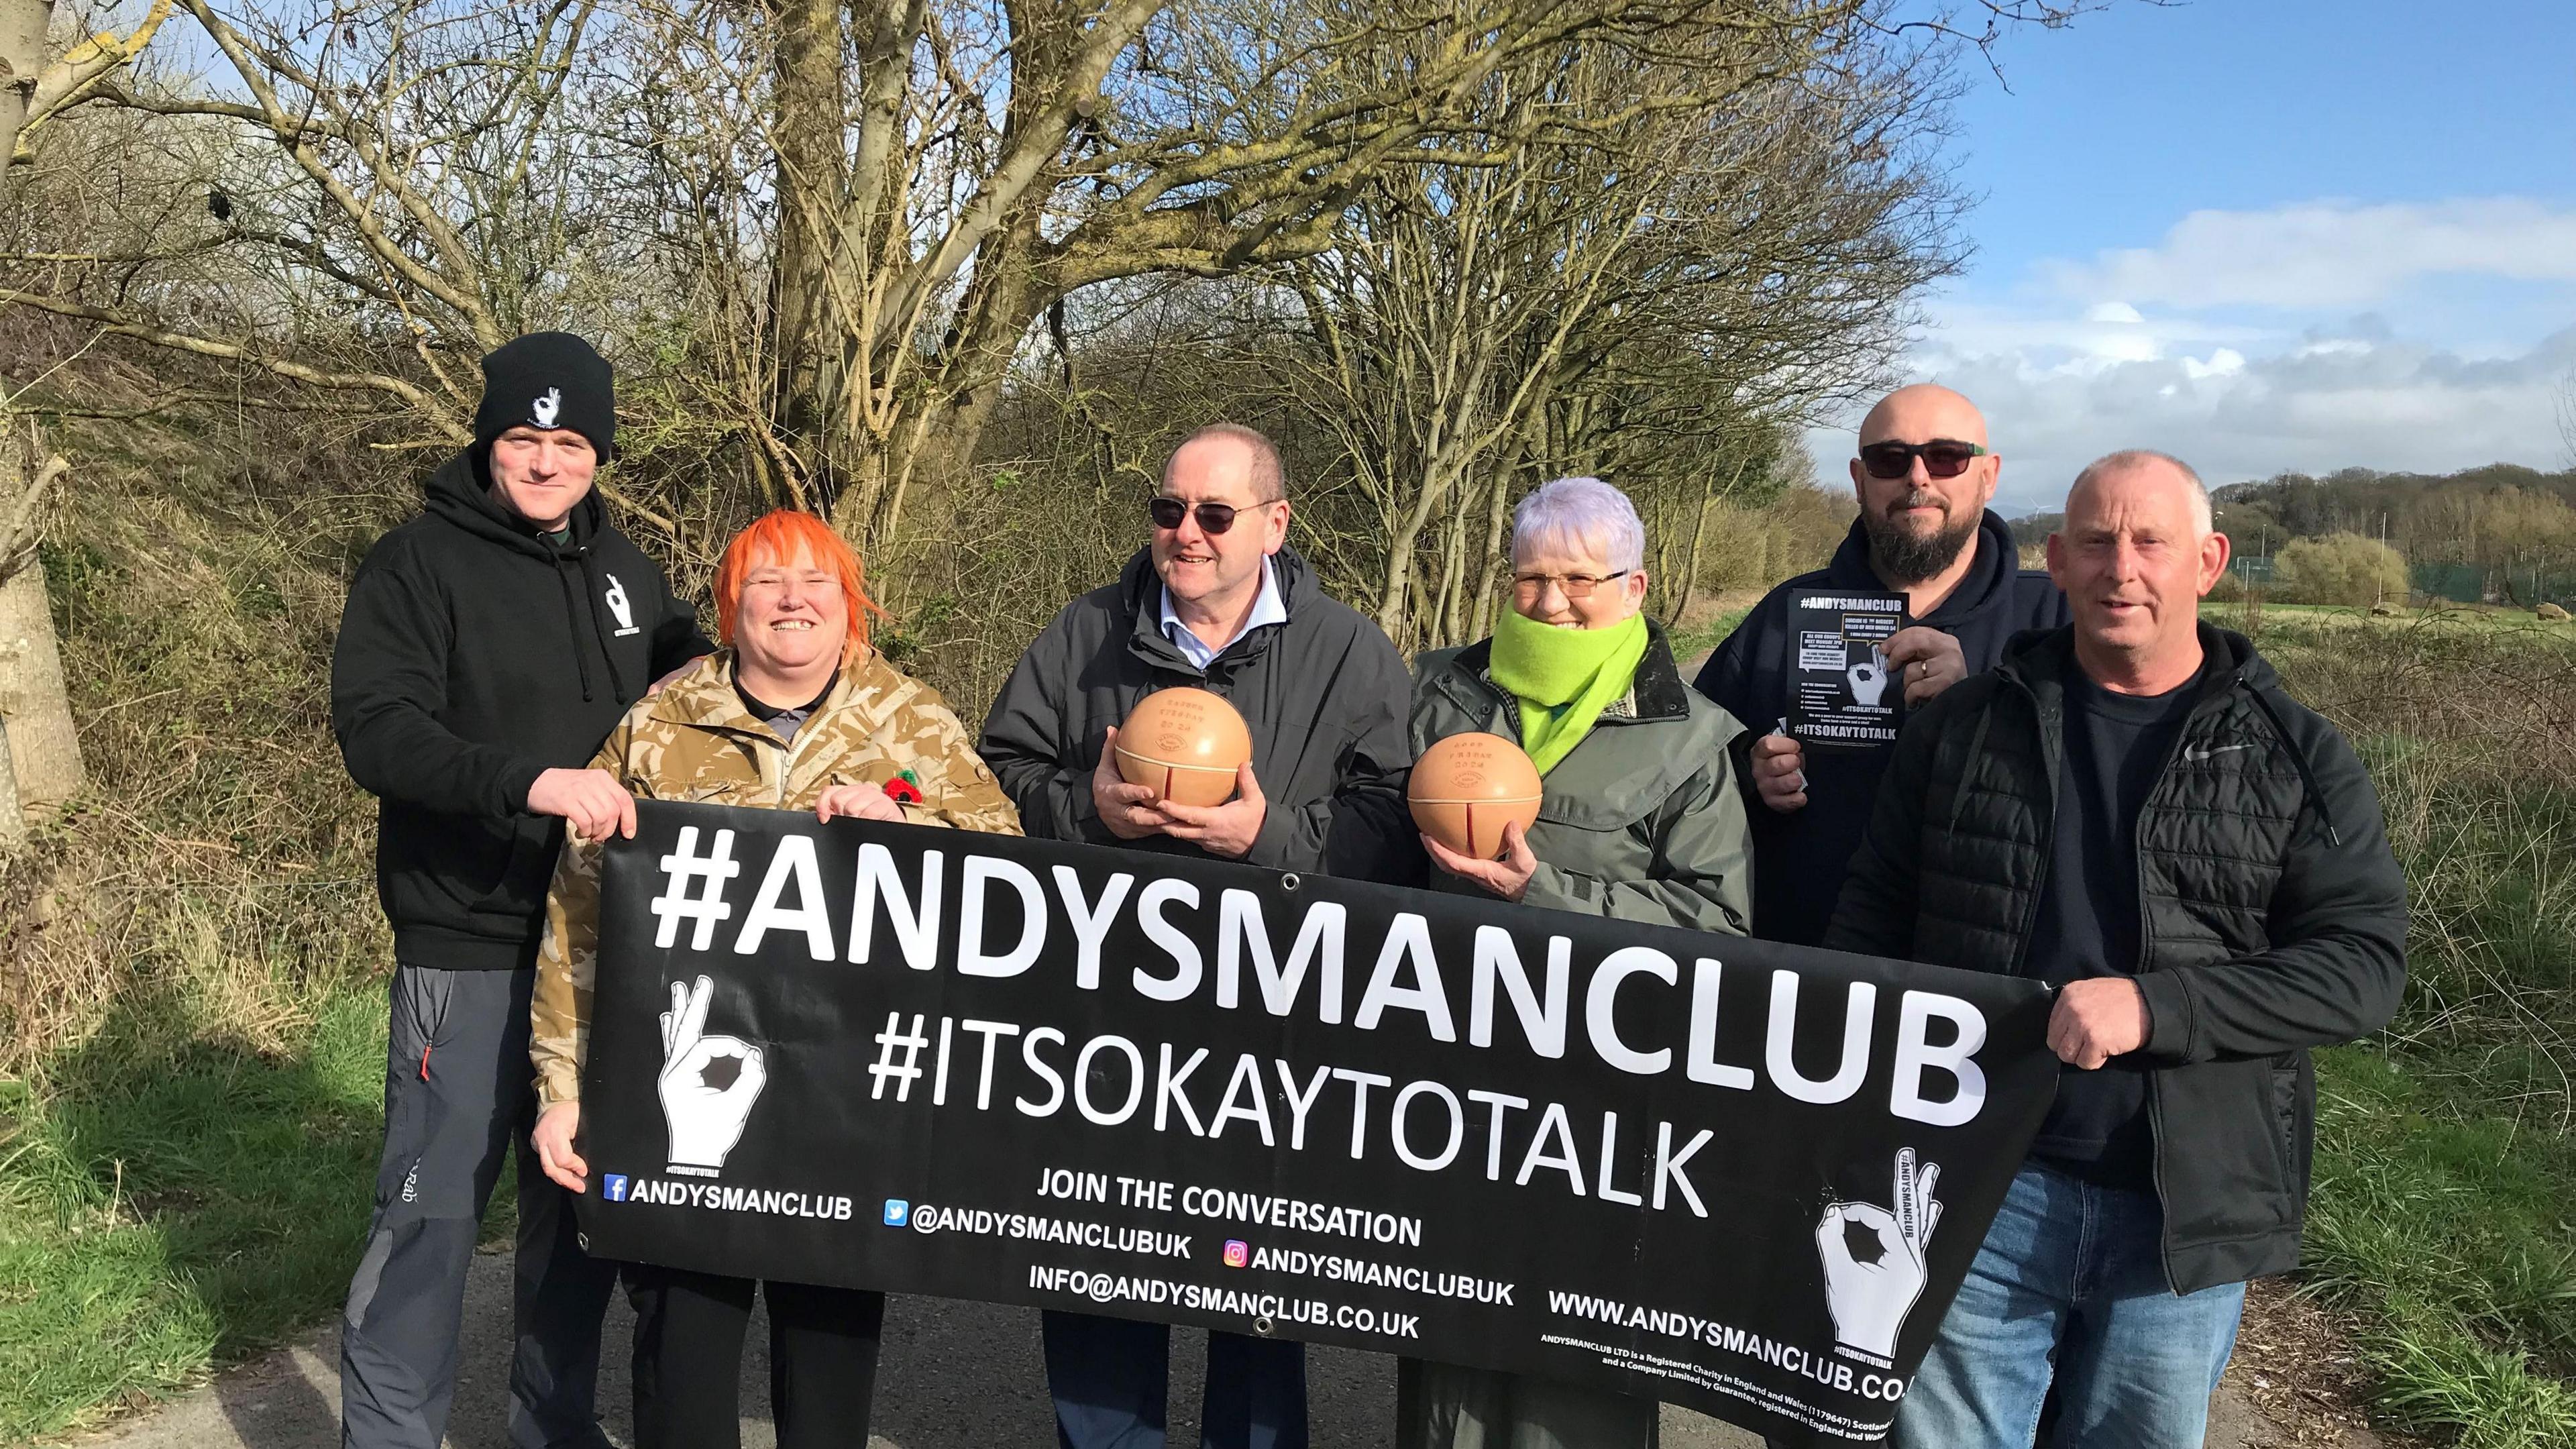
<point x="488" y="646"/>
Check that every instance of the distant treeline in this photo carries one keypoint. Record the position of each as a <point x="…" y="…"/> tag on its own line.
<point x="2501" y="532"/>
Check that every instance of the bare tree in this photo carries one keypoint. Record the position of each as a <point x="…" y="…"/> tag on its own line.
<point x="1009" y="156"/>
<point x="898" y="191"/>
<point x="819" y="238"/>
<point x="1655" y="300"/>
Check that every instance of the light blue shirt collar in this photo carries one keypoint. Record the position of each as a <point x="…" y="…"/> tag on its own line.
<point x="1267" y="608"/>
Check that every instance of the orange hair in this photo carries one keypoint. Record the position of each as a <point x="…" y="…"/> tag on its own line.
<point x="776" y="538"/>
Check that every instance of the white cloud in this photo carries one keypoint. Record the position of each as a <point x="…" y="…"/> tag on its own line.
<point x="2326" y="254"/>
<point x="2330" y="402"/>
<point x="2053" y="333"/>
<point x="2239" y="343"/>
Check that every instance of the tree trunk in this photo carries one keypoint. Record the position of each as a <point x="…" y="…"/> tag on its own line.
<point x="13" y="821"/>
<point x="23" y="24"/>
<point x="930" y="435"/>
<point x="43" y="743"/>
<point x="1699" y="535"/>
<point x="809" y="346"/>
<point x="1490" y="572"/>
<point x="40" y="763"/>
<point x="35" y="709"/>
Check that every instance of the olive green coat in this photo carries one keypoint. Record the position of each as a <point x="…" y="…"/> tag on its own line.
<point x="1643" y="820"/>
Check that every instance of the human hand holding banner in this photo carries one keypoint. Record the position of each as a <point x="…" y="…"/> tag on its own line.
<point x="1196" y="1092"/>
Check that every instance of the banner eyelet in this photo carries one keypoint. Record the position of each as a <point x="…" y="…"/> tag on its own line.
<point x="1263" y="1325"/>
<point x="1289" y="881"/>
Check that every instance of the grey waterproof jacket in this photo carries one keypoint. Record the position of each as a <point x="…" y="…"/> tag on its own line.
<point x="1641" y="820"/>
<point x="2273" y="915"/>
<point x="1324" y="695"/>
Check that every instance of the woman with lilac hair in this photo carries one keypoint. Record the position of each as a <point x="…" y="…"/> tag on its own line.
<point x="1641" y="819"/>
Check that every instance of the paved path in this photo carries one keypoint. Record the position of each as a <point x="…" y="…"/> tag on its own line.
<point x="955" y="1376"/>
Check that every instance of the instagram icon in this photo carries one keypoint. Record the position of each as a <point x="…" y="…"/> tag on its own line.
<point x="1237" y="1252"/>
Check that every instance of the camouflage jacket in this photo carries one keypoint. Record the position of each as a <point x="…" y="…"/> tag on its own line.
<point x="695" y="741"/>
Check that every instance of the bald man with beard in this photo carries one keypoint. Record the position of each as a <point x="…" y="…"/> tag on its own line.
<point x="1924" y="475"/>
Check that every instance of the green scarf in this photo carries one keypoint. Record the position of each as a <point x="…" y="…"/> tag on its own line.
<point x="1563" y="677"/>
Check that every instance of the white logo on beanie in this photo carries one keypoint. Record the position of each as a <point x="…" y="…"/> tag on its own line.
<point x="545" y="408"/>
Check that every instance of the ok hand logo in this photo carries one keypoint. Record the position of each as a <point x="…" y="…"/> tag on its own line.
<point x="1870" y="1288"/>
<point x="1868" y="679"/>
<point x="614" y="596"/>
<point x="708" y="1083"/>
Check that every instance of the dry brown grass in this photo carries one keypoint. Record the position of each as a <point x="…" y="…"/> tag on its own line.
<point x="216" y="874"/>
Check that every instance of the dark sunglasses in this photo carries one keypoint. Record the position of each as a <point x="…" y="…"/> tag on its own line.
<point x="1213" y="517"/>
<point x="1941" y="458"/>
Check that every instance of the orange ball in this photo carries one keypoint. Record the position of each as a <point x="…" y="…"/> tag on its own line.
<point x="1466" y="788"/>
<point x="1185" y="744"/>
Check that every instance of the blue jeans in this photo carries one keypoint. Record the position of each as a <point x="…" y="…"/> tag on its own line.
<point x="2069" y="1285"/>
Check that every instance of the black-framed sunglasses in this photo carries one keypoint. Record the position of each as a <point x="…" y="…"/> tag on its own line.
<point x="1213" y="517"/>
<point x="1942" y="458"/>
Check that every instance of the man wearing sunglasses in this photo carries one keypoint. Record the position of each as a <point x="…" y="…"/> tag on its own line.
<point x="1215" y="600"/>
<point x="1923" y="478"/>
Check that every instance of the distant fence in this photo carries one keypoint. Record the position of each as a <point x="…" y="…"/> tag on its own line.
<point x="2469" y="584"/>
<point x="2456" y="582"/>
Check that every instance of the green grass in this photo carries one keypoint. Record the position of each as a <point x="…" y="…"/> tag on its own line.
<point x="1690" y="643"/>
<point x="162" y="1212"/>
<point x="192" y="1035"/>
<point x="2450" y="1229"/>
<point x="2443" y="1214"/>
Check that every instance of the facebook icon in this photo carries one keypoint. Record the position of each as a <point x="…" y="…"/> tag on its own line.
<point x="612" y="1186"/>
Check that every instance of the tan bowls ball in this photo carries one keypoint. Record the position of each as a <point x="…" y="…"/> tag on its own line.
<point x="1466" y="788"/>
<point x="1184" y="744"/>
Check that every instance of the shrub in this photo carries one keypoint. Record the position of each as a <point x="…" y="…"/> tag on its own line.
<point x="2339" y="568"/>
<point x="1751" y="546"/>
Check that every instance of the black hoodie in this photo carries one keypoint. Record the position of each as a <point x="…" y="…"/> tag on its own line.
<point x="1799" y="858"/>
<point x="474" y="655"/>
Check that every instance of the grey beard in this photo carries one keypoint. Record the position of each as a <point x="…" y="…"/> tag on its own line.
<point x="1908" y="559"/>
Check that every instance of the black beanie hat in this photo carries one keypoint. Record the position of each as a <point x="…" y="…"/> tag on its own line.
<point x="548" y="380"/>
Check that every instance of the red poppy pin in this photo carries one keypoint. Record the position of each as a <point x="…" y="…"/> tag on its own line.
<point x="904" y="788"/>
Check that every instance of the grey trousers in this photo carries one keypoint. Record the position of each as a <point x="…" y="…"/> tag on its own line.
<point x="1444" y="1406"/>
<point x="458" y="1091"/>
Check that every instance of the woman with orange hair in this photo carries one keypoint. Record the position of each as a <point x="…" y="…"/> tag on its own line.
<point x="796" y="712"/>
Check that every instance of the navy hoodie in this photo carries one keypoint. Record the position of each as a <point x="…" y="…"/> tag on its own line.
<point x="474" y="655"/>
<point x="1799" y="859"/>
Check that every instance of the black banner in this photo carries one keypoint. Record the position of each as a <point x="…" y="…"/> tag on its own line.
<point x="1738" y="1176"/>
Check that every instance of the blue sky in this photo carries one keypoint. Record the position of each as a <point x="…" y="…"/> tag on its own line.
<point x="2265" y="234"/>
